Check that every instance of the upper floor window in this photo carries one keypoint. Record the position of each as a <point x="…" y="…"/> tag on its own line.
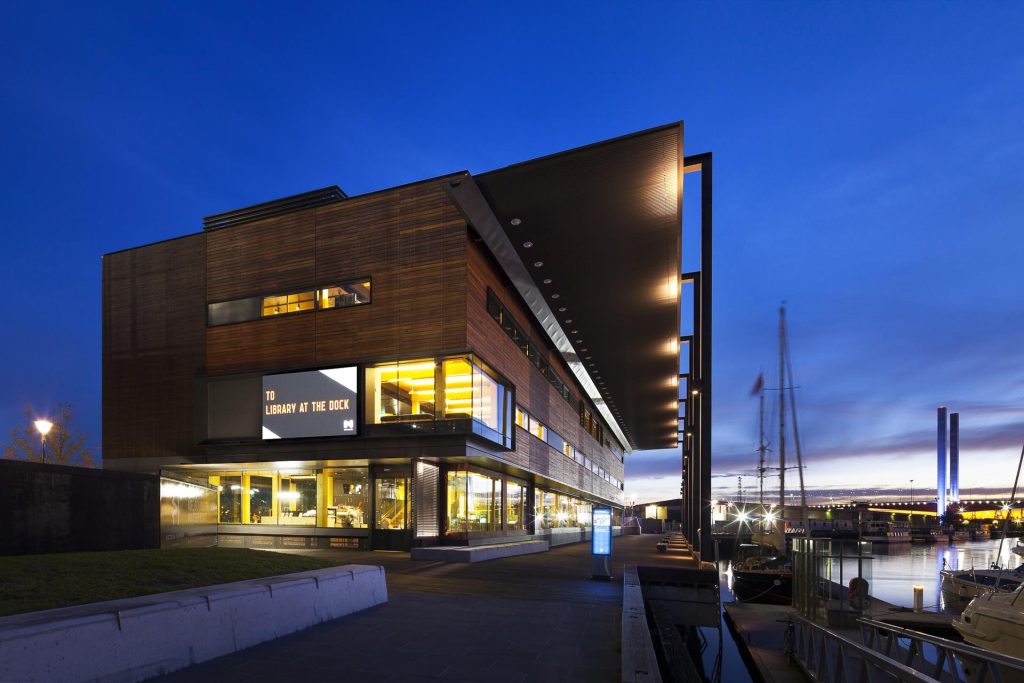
<point x="351" y="293"/>
<point x="347" y="294"/>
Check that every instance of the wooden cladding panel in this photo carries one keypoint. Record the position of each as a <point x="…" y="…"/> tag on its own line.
<point x="271" y="343"/>
<point x="409" y="240"/>
<point x="533" y="391"/>
<point x="272" y="255"/>
<point x="154" y="325"/>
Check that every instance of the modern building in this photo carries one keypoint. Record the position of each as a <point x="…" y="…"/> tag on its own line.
<point x="463" y="359"/>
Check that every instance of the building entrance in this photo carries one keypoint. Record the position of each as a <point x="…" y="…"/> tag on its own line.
<point x="392" y="511"/>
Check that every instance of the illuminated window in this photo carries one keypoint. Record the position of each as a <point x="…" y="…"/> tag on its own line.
<point x="348" y="494"/>
<point x="392" y="503"/>
<point x="545" y="510"/>
<point x="229" y="497"/>
<point x="482" y="490"/>
<point x="515" y="506"/>
<point x="538" y="429"/>
<point x="487" y="399"/>
<point x="288" y="303"/>
<point x="458" y="487"/>
<point x="400" y="392"/>
<point x="345" y="294"/>
<point x="474" y="502"/>
<point x="259" y="494"/>
<point x="296" y="497"/>
<point x="458" y="389"/>
<point x="520" y="417"/>
<point x="341" y="295"/>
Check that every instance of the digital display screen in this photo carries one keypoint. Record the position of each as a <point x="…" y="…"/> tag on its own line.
<point x="602" y="535"/>
<point x="314" y="403"/>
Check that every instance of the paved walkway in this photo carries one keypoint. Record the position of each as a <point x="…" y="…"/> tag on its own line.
<point x="530" y="618"/>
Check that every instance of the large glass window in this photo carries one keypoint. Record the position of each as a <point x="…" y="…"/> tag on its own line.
<point x="348" y="496"/>
<point x="296" y="496"/>
<point x="459" y="402"/>
<point x="515" y="506"/>
<point x="392" y="503"/>
<point x="229" y="497"/>
<point x="488" y="399"/>
<point x="426" y="390"/>
<point x="458" y="490"/>
<point x="558" y="510"/>
<point x="481" y="502"/>
<point x="258" y="504"/>
<point x="400" y="392"/>
<point x="545" y="509"/>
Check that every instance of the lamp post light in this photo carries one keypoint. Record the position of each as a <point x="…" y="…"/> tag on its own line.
<point x="43" y="427"/>
<point x="911" y="490"/>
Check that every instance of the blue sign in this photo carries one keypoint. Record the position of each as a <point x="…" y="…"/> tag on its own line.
<point x="602" y="535"/>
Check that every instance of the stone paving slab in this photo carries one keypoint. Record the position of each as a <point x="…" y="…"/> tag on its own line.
<point x="530" y="618"/>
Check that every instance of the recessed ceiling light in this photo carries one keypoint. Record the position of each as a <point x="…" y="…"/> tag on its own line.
<point x="547" y="281"/>
<point x="584" y="351"/>
<point x="568" y="320"/>
<point x="555" y="296"/>
<point x="574" y="331"/>
<point x="586" y="358"/>
<point x="538" y="264"/>
<point x="527" y="244"/>
<point x="515" y="221"/>
<point x="562" y="309"/>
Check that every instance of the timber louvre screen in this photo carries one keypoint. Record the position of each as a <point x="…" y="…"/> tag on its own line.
<point x="425" y="497"/>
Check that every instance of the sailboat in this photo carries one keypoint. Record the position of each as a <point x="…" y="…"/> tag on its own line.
<point x="762" y="572"/>
<point x="994" y="620"/>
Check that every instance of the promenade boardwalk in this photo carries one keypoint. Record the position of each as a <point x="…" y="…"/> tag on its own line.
<point x="529" y="618"/>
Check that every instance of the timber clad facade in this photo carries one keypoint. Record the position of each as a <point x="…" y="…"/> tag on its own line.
<point x="454" y="414"/>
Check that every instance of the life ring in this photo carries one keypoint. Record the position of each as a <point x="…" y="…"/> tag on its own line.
<point x="858" y="592"/>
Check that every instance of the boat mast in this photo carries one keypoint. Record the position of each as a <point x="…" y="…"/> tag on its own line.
<point x="761" y="448"/>
<point x="782" y="415"/>
<point x="796" y="442"/>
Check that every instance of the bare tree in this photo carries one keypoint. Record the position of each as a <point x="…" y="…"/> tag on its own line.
<point x="63" y="444"/>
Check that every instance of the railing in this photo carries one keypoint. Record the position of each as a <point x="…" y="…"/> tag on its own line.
<point x="942" y="659"/>
<point x="891" y="653"/>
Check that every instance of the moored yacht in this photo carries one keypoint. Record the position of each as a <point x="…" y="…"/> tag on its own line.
<point x="964" y="585"/>
<point x="995" y="622"/>
<point x="885" y="532"/>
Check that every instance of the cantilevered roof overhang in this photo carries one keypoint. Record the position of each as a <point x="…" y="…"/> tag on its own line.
<point x="591" y="240"/>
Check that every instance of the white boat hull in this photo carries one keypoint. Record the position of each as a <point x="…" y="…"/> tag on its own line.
<point x="966" y="585"/>
<point x="995" y="622"/>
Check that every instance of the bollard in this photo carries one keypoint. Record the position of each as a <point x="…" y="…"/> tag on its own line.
<point x="918" y="598"/>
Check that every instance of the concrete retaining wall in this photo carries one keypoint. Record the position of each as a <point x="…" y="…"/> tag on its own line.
<point x="639" y="660"/>
<point x="130" y="640"/>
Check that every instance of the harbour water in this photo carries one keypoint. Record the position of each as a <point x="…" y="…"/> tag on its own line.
<point x="896" y="568"/>
<point x="894" y="571"/>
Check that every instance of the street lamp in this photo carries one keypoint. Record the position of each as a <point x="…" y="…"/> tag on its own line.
<point x="43" y="427"/>
<point x="911" y="490"/>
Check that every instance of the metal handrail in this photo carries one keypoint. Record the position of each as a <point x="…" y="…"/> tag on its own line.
<point x="990" y="665"/>
<point x="827" y="656"/>
<point x="824" y="656"/>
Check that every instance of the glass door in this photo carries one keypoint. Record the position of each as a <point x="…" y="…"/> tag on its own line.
<point x="391" y="511"/>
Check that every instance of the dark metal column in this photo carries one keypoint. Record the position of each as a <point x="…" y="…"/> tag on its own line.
<point x="697" y="440"/>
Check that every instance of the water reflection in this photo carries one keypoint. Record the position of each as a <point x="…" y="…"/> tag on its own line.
<point x="896" y="568"/>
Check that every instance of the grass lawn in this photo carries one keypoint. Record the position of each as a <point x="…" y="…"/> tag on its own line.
<point x="35" y="582"/>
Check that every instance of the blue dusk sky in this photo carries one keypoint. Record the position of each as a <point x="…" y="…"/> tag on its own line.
<point x="868" y="171"/>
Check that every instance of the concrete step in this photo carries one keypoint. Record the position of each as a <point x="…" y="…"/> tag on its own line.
<point x="478" y="553"/>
